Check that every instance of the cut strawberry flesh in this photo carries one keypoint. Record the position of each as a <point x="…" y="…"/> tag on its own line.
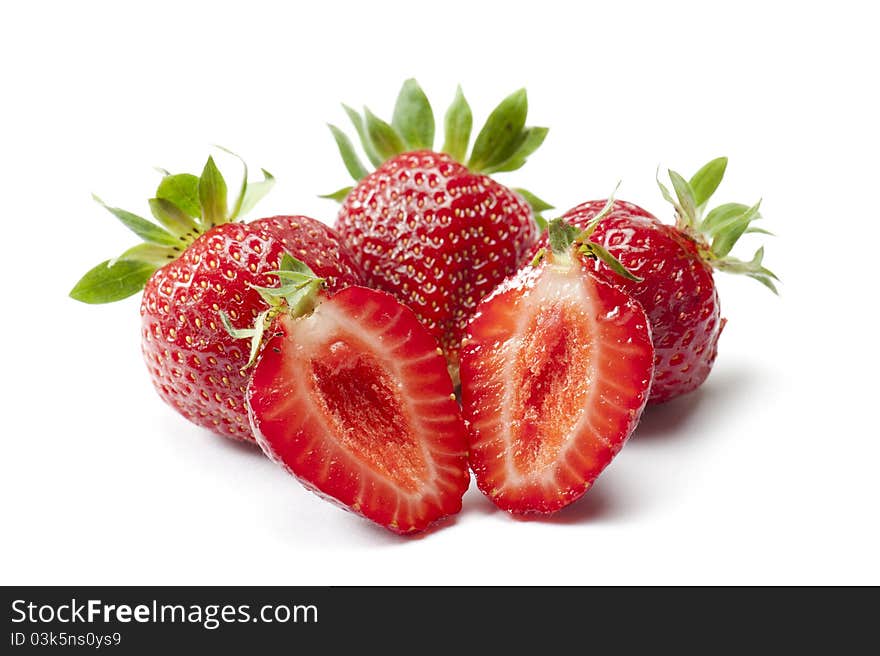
<point x="555" y="374"/>
<point x="551" y="383"/>
<point x="367" y="414"/>
<point x="355" y="400"/>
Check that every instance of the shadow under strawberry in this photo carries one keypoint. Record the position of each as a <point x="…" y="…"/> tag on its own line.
<point x="670" y="421"/>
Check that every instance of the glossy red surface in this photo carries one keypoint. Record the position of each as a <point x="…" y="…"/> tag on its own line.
<point x="195" y="365"/>
<point x="677" y="292"/>
<point x="438" y="237"/>
<point x="555" y="373"/>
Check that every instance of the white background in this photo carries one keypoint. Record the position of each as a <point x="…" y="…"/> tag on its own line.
<point x="768" y="474"/>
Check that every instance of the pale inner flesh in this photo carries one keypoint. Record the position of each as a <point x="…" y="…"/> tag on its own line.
<point x="552" y="376"/>
<point x="363" y="401"/>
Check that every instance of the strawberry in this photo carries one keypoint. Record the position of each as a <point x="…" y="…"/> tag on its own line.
<point x="351" y="395"/>
<point x="198" y="261"/>
<point x="430" y="227"/>
<point x="556" y="369"/>
<point x="675" y="263"/>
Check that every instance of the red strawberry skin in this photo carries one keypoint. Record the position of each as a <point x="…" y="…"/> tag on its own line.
<point x="437" y="236"/>
<point x="677" y="292"/>
<point x="195" y="365"/>
<point x="356" y="402"/>
<point x="555" y="371"/>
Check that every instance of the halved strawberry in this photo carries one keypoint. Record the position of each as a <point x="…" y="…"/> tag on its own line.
<point x="354" y="399"/>
<point x="556" y="369"/>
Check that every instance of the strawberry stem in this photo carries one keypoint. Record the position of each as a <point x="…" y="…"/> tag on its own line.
<point x="563" y="237"/>
<point x="297" y="296"/>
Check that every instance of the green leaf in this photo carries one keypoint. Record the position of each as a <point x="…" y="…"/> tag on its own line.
<point x="236" y="207"/>
<point x="385" y="140"/>
<point x="292" y="271"/>
<point x="181" y="189"/>
<point x="291" y="264"/>
<point x="500" y="135"/>
<point x="722" y="215"/>
<point x="760" y="231"/>
<point x="562" y="235"/>
<point x="259" y="328"/>
<point x="349" y="157"/>
<point x="765" y="280"/>
<point x="250" y="193"/>
<point x="255" y="192"/>
<point x="601" y="253"/>
<point x="534" y="202"/>
<point x="413" y="117"/>
<point x="664" y="190"/>
<point x="296" y="282"/>
<point x="685" y="199"/>
<point x="255" y="334"/>
<point x="705" y="181"/>
<point x="212" y="195"/>
<point x="541" y="221"/>
<point x="299" y="288"/>
<point x="339" y="195"/>
<point x="172" y="217"/>
<point x="106" y="283"/>
<point x="727" y="234"/>
<point x="458" y="123"/>
<point x="360" y="126"/>
<point x="605" y="211"/>
<point x="237" y="333"/>
<point x="753" y="269"/>
<point x="146" y="230"/>
<point x="748" y="213"/>
<point x="725" y="240"/>
<point x="152" y="254"/>
<point x="530" y="140"/>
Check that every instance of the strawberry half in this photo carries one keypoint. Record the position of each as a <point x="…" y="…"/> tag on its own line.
<point x="352" y="396"/>
<point x="196" y="260"/>
<point x="555" y="372"/>
<point x="433" y="228"/>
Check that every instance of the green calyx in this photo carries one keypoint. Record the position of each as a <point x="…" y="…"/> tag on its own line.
<point x="503" y="144"/>
<point x="566" y="239"/>
<point x="296" y="296"/>
<point x="185" y="207"/>
<point x="717" y="231"/>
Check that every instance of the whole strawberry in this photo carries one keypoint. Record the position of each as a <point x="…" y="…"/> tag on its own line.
<point x="196" y="261"/>
<point x="433" y="228"/>
<point x="675" y="264"/>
